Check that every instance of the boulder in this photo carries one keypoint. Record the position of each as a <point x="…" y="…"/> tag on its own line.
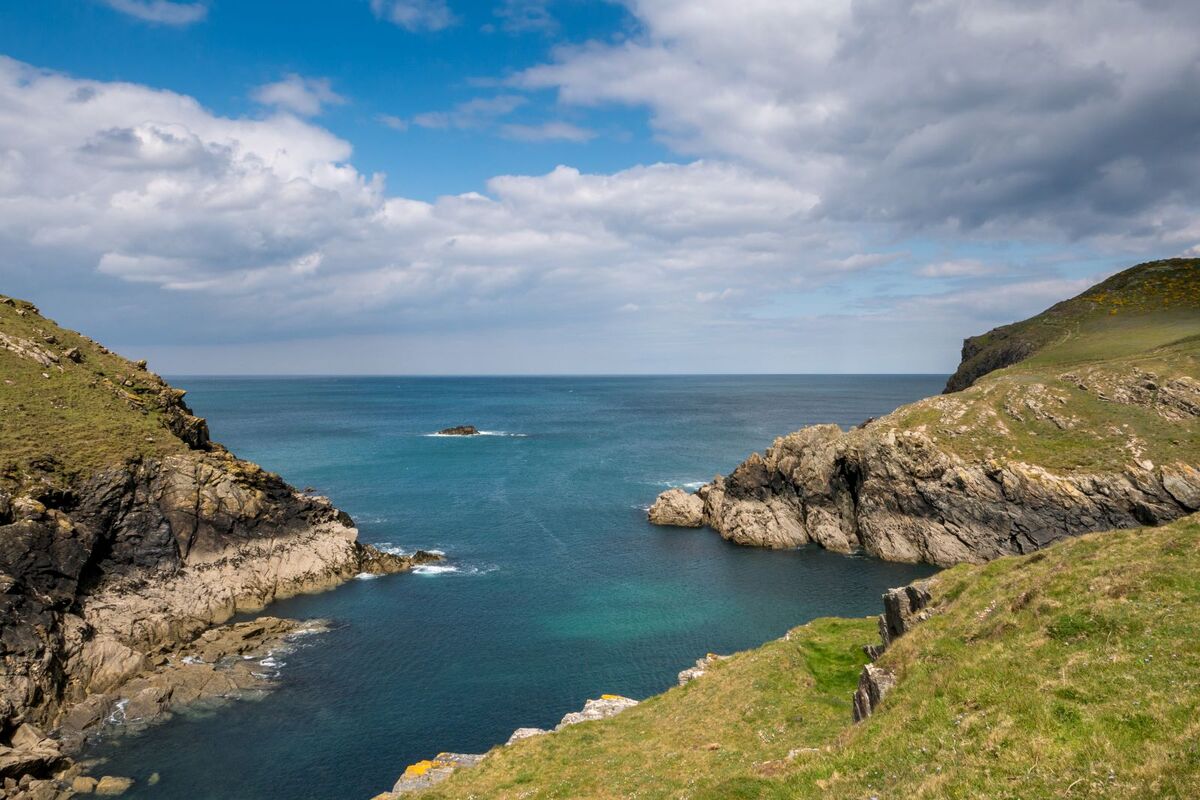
<point x="677" y="508"/>
<point x="84" y="784"/>
<point x="524" y="733"/>
<point x="112" y="785"/>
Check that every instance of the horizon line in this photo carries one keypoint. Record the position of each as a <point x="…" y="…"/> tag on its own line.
<point x="555" y="374"/>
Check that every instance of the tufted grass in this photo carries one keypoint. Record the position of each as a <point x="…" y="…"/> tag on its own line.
<point x="80" y="418"/>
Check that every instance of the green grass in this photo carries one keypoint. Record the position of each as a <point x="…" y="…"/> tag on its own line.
<point x="1144" y="321"/>
<point x="79" y="419"/>
<point x="1072" y="672"/>
<point x="1160" y="290"/>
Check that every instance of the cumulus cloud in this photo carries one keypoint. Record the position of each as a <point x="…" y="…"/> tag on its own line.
<point x="149" y="187"/>
<point x="993" y="118"/>
<point x="415" y="15"/>
<point x="163" y="12"/>
<point x="304" y="96"/>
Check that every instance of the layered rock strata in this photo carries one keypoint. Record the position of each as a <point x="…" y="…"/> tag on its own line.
<point x="125" y="534"/>
<point x="903" y="608"/>
<point x="898" y="494"/>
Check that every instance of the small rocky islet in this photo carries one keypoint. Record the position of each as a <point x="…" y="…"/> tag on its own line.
<point x="459" y="430"/>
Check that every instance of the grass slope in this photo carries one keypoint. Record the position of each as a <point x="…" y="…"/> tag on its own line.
<point x="1098" y="391"/>
<point x="1072" y="672"/>
<point x="1158" y="289"/>
<point x="67" y="419"/>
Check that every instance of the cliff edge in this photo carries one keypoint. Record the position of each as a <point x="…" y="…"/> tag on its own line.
<point x="1083" y="418"/>
<point x="126" y="533"/>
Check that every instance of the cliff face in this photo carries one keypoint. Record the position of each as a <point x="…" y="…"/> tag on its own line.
<point x="124" y="532"/>
<point x="1097" y="428"/>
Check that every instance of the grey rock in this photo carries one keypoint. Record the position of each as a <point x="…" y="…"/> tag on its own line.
<point x="873" y="686"/>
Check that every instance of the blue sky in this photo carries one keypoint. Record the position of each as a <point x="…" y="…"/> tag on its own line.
<point x="541" y="186"/>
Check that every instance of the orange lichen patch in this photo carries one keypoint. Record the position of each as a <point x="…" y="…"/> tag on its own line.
<point x="418" y="769"/>
<point x="613" y="697"/>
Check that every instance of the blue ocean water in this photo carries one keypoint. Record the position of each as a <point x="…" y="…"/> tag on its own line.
<point x="561" y="590"/>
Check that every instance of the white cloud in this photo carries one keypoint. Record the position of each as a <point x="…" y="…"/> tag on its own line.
<point x="547" y="132"/>
<point x="996" y="118"/>
<point x="163" y="12"/>
<point x="393" y="122"/>
<point x="149" y="187"/>
<point x="477" y="112"/>
<point x="415" y="15"/>
<point x="958" y="268"/>
<point x="304" y="96"/>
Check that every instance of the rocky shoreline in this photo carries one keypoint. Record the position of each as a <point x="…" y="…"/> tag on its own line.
<point x="126" y="535"/>
<point x="431" y="772"/>
<point x="1063" y="424"/>
<point x="897" y="495"/>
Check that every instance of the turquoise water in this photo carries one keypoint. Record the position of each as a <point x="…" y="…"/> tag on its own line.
<point x="561" y="592"/>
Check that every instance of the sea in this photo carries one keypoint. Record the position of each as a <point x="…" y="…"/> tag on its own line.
<point x="555" y="589"/>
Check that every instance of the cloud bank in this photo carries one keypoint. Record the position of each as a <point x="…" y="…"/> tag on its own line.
<point x="862" y="179"/>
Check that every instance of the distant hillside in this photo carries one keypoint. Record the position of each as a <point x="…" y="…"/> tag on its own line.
<point x="1161" y="292"/>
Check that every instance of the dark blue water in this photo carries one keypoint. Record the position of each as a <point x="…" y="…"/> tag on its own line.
<point x="562" y="590"/>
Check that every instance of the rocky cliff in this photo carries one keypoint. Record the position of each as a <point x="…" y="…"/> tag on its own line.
<point x="1084" y="418"/>
<point x="125" y="533"/>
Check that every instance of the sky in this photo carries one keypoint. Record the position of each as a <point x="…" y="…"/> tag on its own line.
<point x="560" y="186"/>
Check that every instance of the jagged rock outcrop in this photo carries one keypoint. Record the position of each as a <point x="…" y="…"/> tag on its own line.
<point x="702" y="666"/>
<point x="903" y="608"/>
<point x="873" y="685"/>
<point x="897" y="495"/>
<point x="1068" y="443"/>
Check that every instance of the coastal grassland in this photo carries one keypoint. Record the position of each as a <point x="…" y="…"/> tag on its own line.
<point x="1155" y="289"/>
<point x="756" y="706"/>
<point x="1072" y="672"/>
<point x="77" y="419"/>
<point x="1112" y="390"/>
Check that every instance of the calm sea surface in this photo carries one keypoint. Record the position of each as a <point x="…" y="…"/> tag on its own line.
<point x="560" y="590"/>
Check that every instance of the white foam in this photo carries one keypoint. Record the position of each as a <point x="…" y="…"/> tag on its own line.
<point x="118" y="713"/>
<point x="366" y="576"/>
<point x="434" y="569"/>
<point x="437" y="552"/>
<point x="472" y="436"/>
<point x="691" y="486"/>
